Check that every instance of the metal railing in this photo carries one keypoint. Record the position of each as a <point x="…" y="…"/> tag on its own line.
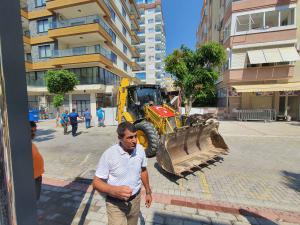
<point x="256" y="114"/>
<point x="84" y="50"/>
<point x="26" y="33"/>
<point x="81" y="21"/>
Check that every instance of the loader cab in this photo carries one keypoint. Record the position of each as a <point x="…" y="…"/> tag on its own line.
<point x="141" y="95"/>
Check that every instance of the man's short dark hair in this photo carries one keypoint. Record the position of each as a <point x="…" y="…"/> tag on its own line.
<point x="32" y="124"/>
<point x="125" y="126"/>
<point x="73" y="110"/>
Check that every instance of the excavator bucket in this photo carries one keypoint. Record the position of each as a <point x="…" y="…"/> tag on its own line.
<point x="190" y="146"/>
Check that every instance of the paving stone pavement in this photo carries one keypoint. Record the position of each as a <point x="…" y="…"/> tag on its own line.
<point x="261" y="169"/>
<point x="68" y="206"/>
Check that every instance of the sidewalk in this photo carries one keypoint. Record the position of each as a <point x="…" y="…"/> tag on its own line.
<point x="64" y="202"/>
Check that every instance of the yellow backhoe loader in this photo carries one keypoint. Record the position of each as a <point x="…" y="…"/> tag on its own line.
<point x="179" y="142"/>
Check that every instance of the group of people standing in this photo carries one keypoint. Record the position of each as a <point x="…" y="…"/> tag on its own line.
<point x="67" y="119"/>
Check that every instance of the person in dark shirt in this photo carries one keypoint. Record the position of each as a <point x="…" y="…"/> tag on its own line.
<point x="73" y="121"/>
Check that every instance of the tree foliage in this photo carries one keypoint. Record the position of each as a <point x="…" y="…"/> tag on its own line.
<point x="58" y="100"/>
<point x="196" y="72"/>
<point x="60" y="82"/>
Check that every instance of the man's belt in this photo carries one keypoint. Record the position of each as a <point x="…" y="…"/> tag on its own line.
<point x="120" y="200"/>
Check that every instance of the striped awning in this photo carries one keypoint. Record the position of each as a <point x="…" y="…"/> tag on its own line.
<point x="267" y="87"/>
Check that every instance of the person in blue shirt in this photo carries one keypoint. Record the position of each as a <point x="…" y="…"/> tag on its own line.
<point x="87" y="117"/>
<point x="73" y="120"/>
<point x="101" y="117"/>
<point x="64" y="121"/>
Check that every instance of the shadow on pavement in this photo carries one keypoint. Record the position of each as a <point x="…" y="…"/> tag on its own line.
<point x="173" y="178"/>
<point x="292" y="180"/>
<point x="44" y="135"/>
<point x="254" y="218"/>
<point x="163" y="218"/>
<point x="59" y="205"/>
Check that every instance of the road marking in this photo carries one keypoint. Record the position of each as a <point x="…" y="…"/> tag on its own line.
<point x="85" y="159"/>
<point x="204" y="184"/>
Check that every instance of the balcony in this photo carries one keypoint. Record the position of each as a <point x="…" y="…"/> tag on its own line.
<point x="26" y="37"/>
<point x="259" y="74"/>
<point x="87" y="7"/>
<point x="85" y="54"/>
<point x="89" y="25"/>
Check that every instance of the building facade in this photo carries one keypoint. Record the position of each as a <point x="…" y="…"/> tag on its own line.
<point x="94" y="39"/>
<point x="152" y="46"/>
<point x="262" y="42"/>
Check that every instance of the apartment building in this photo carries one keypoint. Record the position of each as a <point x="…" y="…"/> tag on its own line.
<point x="262" y="41"/>
<point x="92" y="38"/>
<point x="152" y="46"/>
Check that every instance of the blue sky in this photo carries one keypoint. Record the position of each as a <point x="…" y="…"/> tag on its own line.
<point x="181" y="21"/>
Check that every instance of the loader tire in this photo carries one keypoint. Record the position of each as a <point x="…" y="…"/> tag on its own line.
<point x="147" y="134"/>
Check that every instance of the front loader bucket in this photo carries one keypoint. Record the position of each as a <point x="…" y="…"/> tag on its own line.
<point x="190" y="147"/>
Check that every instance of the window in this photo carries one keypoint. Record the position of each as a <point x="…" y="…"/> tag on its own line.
<point x="125" y="49"/>
<point x="123" y="12"/>
<point x="44" y="51"/>
<point x="125" y="66"/>
<point x="151" y="47"/>
<point x="114" y="58"/>
<point x="151" y="58"/>
<point x="271" y="19"/>
<point x="257" y="21"/>
<point x="151" y="30"/>
<point x="227" y="31"/>
<point x="124" y="31"/>
<point x="287" y="17"/>
<point x="265" y="20"/>
<point x="40" y="3"/>
<point x="112" y="14"/>
<point x="42" y="26"/>
<point x="114" y="37"/>
<point x="141" y="76"/>
<point x="151" y="39"/>
<point x="242" y="23"/>
<point x="150" y="11"/>
<point x="150" y="20"/>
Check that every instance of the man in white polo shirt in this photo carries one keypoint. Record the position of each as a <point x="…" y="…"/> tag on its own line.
<point x="119" y="174"/>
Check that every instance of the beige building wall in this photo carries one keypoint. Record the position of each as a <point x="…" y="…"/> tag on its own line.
<point x="297" y="66"/>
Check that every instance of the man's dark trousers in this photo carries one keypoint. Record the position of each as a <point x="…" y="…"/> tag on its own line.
<point x="74" y="128"/>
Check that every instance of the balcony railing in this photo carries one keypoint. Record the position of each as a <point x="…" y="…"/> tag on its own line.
<point x="81" y="21"/>
<point x="85" y="50"/>
<point x="26" y="33"/>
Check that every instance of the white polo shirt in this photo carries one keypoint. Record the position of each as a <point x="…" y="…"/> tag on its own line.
<point x="119" y="168"/>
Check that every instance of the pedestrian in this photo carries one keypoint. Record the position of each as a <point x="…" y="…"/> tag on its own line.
<point x="120" y="172"/>
<point x="38" y="163"/>
<point x="87" y="117"/>
<point x="73" y="120"/>
<point x="101" y="117"/>
<point x="64" y="121"/>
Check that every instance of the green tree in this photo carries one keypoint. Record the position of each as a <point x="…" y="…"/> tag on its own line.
<point x="196" y="72"/>
<point x="60" y="82"/>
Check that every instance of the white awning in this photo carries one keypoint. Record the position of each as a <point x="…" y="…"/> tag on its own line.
<point x="256" y="57"/>
<point x="267" y="87"/>
<point x="272" y="55"/>
<point x="289" y="54"/>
